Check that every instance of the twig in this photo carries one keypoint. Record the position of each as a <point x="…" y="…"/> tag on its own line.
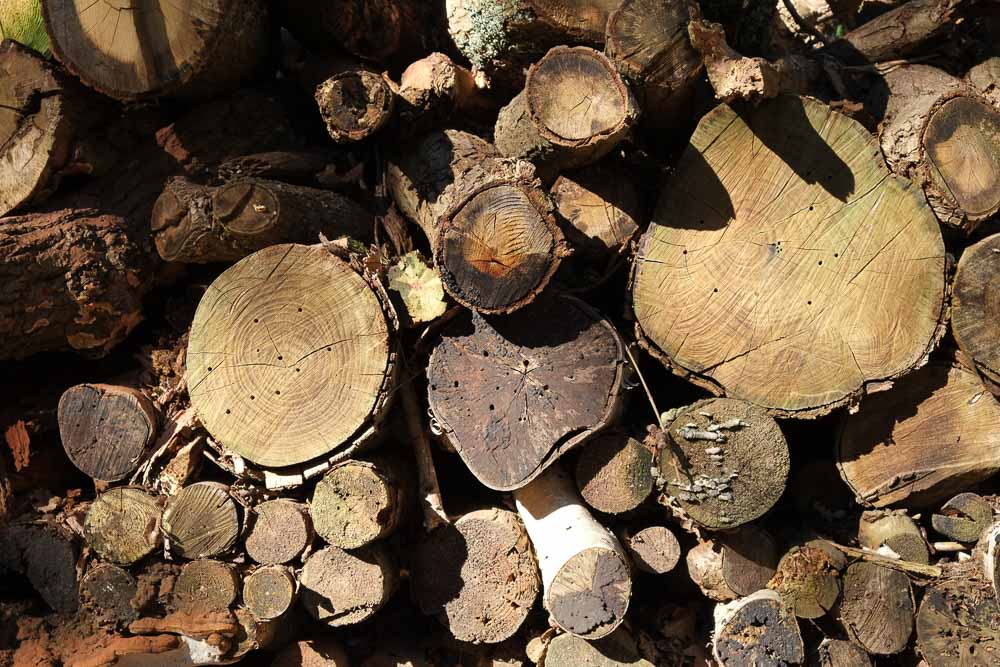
<point x="901" y="565"/>
<point x="642" y="380"/>
<point x="430" y="492"/>
<point x="802" y="23"/>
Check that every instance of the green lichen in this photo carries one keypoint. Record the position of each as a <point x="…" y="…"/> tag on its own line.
<point x="488" y="39"/>
<point x="21" y="21"/>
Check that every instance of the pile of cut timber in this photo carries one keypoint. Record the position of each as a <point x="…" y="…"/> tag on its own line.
<point x="403" y="333"/>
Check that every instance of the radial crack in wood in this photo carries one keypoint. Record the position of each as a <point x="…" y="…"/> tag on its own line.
<point x="123" y="525"/>
<point x="202" y="520"/>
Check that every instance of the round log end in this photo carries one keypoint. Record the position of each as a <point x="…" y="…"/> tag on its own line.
<point x="590" y="593"/>
<point x="202" y="520"/>
<point x="614" y="472"/>
<point x="269" y="591"/>
<point x="123" y="525"/>
<point x="654" y="550"/>
<point x="354" y="104"/>
<point x="757" y="630"/>
<point x="281" y="530"/>
<point x="355" y="504"/>
<point x="343" y="588"/>
<point x="205" y="586"/>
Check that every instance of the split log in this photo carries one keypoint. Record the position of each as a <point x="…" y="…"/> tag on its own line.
<point x="733" y="565"/>
<point x="808" y="580"/>
<point x="74" y="280"/>
<point x="585" y="573"/>
<point x="477" y="575"/>
<point x="973" y="309"/>
<point x="614" y="472"/>
<point x="725" y="462"/>
<point x="343" y="588"/>
<point x="324" y="652"/>
<point x="355" y="103"/>
<point x="896" y="33"/>
<point x="301" y="368"/>
<point x="109" y="590"/>
<point x="202" y="520"/>
<point x="198" y="223"/>
<point x="269" y="592"/>
<point x="106" y="430"/>
<point x="599" y="212"/>
<point x="493" y="236"/>
<point x="944" y="136"/>
<point x="877" y="608"/>
<point x="958" y="620"/>
<point x="934" y="434"/>
<point x="358" y="501"/>
<point x="47" y="556"/>
<point x="370" y="29"/>
<point x="895" y="530"/>
<point x="123" y="525"/>
<point x="205" y="586"/>
<point x="574" y="109"/>
<point x="648" y="42"/>
<point x="790" y="325"/>
<point x="280" y="531"/>
<point x="841" y="653"/>
<point x="618" y="649"/>
<point x="654" y="549"/>
<point x="506" y="391"/>
<point x="756" y="630"/>
<point x="434" y="89"/>
<point x="964" y="518"/>
<point x="166" y="50"/>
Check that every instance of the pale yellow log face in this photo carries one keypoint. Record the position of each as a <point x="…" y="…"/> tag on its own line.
<point x="785" y="265"/>
<point x="288" y="353"/>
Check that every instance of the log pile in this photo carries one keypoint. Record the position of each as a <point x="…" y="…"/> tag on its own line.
<point x="499" y="333"/>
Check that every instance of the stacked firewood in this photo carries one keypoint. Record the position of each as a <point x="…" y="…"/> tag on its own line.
<point x="480" y="332"/>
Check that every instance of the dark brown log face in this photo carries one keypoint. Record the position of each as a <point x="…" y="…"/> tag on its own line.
<point x="47" y="558"/>
<point x="975" y="308"/>
<point x="957" y="622"/>
<point x="877" y="608"/>
<point x="109" y="590"/>
<point x="963" y="518"/>
<point x="354" y="104"/>
<point x="757" y="630"/>
<point x="510" y="392"/>
<point x="588" y="596"/>
<point x="106" y="430"/>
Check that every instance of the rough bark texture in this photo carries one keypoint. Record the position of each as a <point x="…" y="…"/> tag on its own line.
<point x="985" y="79"/>
<point x="355" y="104"/>
<point x="279" y="531"/>
<point x="358" y="501"/>
<point x="123" y="525"/>
<point x="370" y="29"/>
<point x="756" y="630"/>
<point x="344" y="588"/>
<point x="897" y="32"/>
<point x="434" y="89"/>
<point x="958" y="620"/>
<point x="202" y="520"/>
<point x="974" y="309"/>
<point x="877" y="608"/>
<point x="732" y="565"/>
<point x="614" y="472"/>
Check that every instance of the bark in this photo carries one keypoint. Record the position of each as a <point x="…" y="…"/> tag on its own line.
<point x="725" y="462"/>
<point x="107" y="430"/>
<point x="324" y="652"/>
<point x="433" y="90"/>
<point x="478" y="576"/>
<point x="427" y="480"/>
<point x="973" y="307"/>
<point x="895" y="530"/>
<point x="269" y="592"/>
<point x="963" y="518"/>
<point x="757" y="629"/>
<point x="360" y="501"/>
<point x="205" y="586"/>
<point x="343" y="588"/>
<point x="574" y="109"/>
<point x="201" y="521"/>
<point x="987" y="552"/>
<point x="984" y="78"/>
<point x="199" y="224"/>
<point x="732" y="565"/>
<point x="808" y="581"/>
<point x="585" y="574"/>
<point x="654" y="550"/>
<point x="506" y="394"/>
<point x="877" y="608"/>
<point x="841" y="653"/>
<point x="614" y="472"/>
<point x="195" y="51"/>
<point x="958" y="620"/>
<point x="376" y="30"/>
<point x="355" y="103"/>
<point x="123" y="525"/>
<point x="896" y="33"/>
<point x="280" y="531"/>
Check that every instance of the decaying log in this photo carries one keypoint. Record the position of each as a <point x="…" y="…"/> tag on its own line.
<point x="841" y="653"/>
<point x="106" y="430"/>
<point x="355" y="103"/>
<point x="789" y="324"/>
<point x="202" y="520"/>
<point x="896" y="33"/>
<point x="614" y="472"/>
<point x="478" y="576"/>
<point x="169" y="49"/>
<point x="109" y="590"/>
<point x="618" y="649"/>
<point x="491" y="228"/>
<point x="434" y="89"/>
<point x="205" y="585"/>
<point x="343" y="588"/>
<point x="877" y="608"/>
<point x="123" y="525"/>
<point x="506" y="390"/>
<point x="255" y="634"/>
<point x="895" y="530"/>
<point x="360" y="501"/>
<point x="732" y="565"/>
<point x="585" y="573"/>
<point x="370" y="29"/>
<point x="725" y="462"/>
<point x="198" y="224"/>
<point x="574" y="109"/>
<point x="963" y="518"/>
<point x="973" y="309"/>
<point x="808" y="580"/>
<point x="292" y="363"/>
<point x="279" y="531"/>
<point x="654" y="549"/>
<point x="47" y="556"/>
<point x="756" y="630"/>
<point x="958" y="620"/>
<point x="941" y="134"/>
<point x="324" y="652"/>
<point x="934" y="434"/>
<point x="269" y="591"/>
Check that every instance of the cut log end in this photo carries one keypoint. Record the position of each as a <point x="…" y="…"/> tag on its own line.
<point x="757" y="630"/>
<point x="325" y="652"/>
<point x="358" y="502"/>
<point x="964" y="518"/>
<point x="281" y="530"/>
<point x="616" y="650"/>
<point x="205" y="586"/>
<point x="958" y="620"/>
<point x="123" y="525"/>
<point x="109" y="590"/>
<point x="202" y="520"/>
<point x="269" y="592"/>
<point x="841" y="653"/>
<point x="732" y="565"/>
<point x="614" y="472"/>
<point x="974" y="309"/>
<point x="354" y="104"/>
<point x="894" y="530"/>
<point x="343" y="588"/>
<point x="877" y="608"/>
<point x="808" y="581"/>
<point x="654" y="549"/>
<point x="590" y="593"/>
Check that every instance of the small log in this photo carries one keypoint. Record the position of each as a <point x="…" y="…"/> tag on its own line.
<point x="511" y="385"/>
<point x="964" y="518"/>
<point x="170" y="50"/>
<point x="690" y="292"/>
<point x="841" y="653"/>
<point x="123" y="525"/>
<point x="202" y="520"/>
<point x="574" y="109"/>
<point x="416" y="291"/>
<point x="618" y="649"/>
<point x="478" y="576"/>
<point x="280" y="530"/>
<point x="934" y="434"/>
<point x="47" y="556"/>
<point x="434" y="89"/>
<point x="973" y="308"/>
<point x="283" y="390"/>
<point x="808" y="581"/>
<point x="654" y="549"/>
<point x="324" y="652"/>
<point x="725" y="462"/>
<point x="106" y="430"/>
<point x="614" y="472"/>
<point x="877" y="608"/>
<point x="355" y="103"/>
<point x="254" y="634"/>
<point x="456" y="186"/>
<point x="269" y="592"/>
<point x="895" y="530"/>
<point x="371" y="29"/>
<point x="599" y="212"/>
<point x="343" y="588"/>
<point x="958" y="620"/>
<point x="896" y="33"/>
<point x="199" y="224"/>
<point x="756" y="630"/>
<point x="205" y="586"/>
<point x="585" y="573"/>
<point x="938" y="131"/>
<point x="358" y="502"/>
<point x="733" y="565"/>
<point x="109" y="590"/>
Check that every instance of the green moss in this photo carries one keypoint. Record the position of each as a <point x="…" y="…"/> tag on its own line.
<point x="21" y="21"/>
